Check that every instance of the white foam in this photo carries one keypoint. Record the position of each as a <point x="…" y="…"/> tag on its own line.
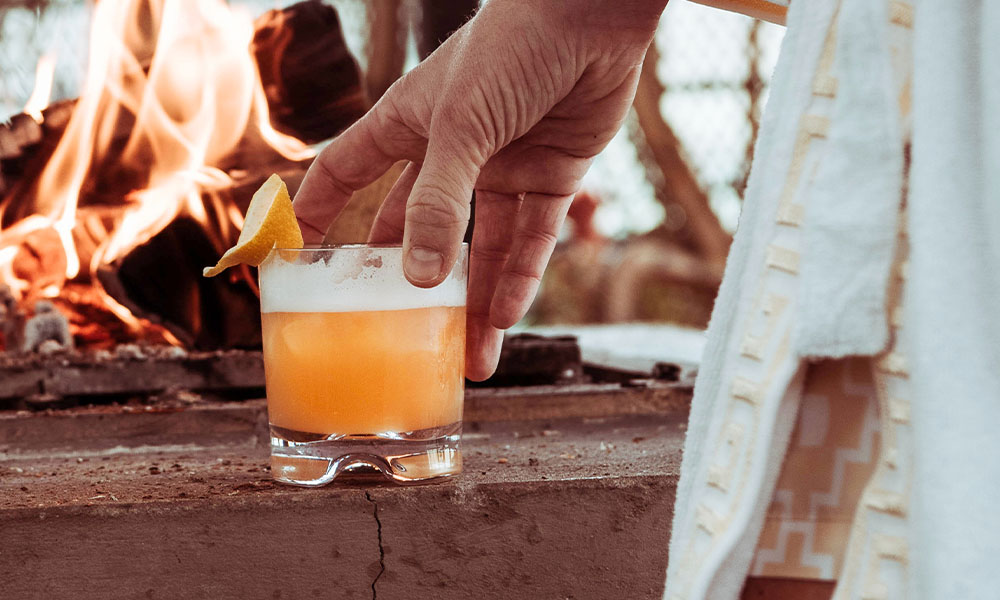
<point x="350" y="280"/>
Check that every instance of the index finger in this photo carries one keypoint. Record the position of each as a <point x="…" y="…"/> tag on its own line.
<point x="351" y="161"/>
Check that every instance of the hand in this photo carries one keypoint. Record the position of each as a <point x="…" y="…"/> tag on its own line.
<point x="514" y="105"/>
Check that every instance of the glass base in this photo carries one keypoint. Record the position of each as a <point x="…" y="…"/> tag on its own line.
<point x="310" y="459"/>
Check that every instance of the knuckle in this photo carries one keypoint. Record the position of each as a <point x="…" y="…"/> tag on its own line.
<point x="537" y="236"/>
<point x="432" y="204"/>
<point x="467" y="122"/>
<point x="323" y="165"/>
<point x="432" y="215"/>
<point x="521" y="275"/>
<point x="488" y="255"/>
<point x="386" y="231"/>
<point x="397" y="135"/>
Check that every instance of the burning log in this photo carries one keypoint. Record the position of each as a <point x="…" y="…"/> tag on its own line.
<point x="312" y="81"/>
<point x="95" y="327"/>
<point x="25" y="145"/>
<point x="20" y="132"/>
<point x="220" y="312"/>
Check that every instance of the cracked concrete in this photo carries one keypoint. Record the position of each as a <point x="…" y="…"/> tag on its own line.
<point x="381" y="550"/>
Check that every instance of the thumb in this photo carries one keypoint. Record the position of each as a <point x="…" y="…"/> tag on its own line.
<point x="437" y="212"/>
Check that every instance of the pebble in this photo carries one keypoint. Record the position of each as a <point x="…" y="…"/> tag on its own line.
<point x="174" y="352"/>
<point x="50" y="347"/>
<point x="130" y="351"/>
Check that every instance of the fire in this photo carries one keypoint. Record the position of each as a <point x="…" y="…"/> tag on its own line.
<point x="39" y="99"/>
<point x="170" y="90"/>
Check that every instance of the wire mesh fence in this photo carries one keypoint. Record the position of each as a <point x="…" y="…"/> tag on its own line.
<point x="716" y="68"/>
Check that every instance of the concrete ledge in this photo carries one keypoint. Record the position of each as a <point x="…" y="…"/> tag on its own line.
<point x="572" y="508"/>
<point x="199" y="423"/>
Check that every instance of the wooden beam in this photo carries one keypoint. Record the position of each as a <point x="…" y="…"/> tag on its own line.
<point x="710" y="240"/>
<point x="386" y="46"/>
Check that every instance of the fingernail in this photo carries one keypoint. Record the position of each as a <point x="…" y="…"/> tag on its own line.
<point x="422" y="265"/>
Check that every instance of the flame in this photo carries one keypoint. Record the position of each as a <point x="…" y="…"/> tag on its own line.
<point x="290" y="147"/>
<point x="178" y="79"/>
<point x="44" y="73"/>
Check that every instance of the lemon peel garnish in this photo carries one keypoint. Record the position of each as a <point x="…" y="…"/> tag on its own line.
<point x="270" y="222"/>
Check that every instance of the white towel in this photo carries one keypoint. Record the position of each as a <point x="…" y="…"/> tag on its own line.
<point x="790" y="94"/>
<point x="954" y="299"/>
<point x="851" y="216"/>
<point x="952" y="293"/>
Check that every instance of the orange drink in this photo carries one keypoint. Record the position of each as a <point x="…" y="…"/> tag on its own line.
<point x="362" y="367"/>
<point x="369" y="371"/>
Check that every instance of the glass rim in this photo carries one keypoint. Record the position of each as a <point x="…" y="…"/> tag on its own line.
<point x="355" y="246"/>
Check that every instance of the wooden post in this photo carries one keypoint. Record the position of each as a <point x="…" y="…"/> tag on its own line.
<point x="710" y="240"/>
<point x="386" y="46"/>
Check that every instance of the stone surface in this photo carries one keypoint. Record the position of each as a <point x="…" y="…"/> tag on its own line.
<point x="573" y="508"/>
<point x="567" y="493"/>
<point x="83" y="374"/>
<point x="184" y="420"/>
<point x="144" y="370"/>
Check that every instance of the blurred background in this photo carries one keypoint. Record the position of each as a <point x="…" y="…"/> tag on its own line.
<point x="648" y="234"/>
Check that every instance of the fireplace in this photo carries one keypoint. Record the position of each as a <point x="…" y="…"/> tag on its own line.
<point x="112" y="202"/>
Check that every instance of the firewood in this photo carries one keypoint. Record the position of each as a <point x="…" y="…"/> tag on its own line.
<point x="312" y="81"/>
<point x="21" y="135"/>
<point x="56" y="116"/>
<point x="206" y="313"/>
<point x="21" y="131"/>
<point x="26" y="129"/>
<point x="9" y="147"/>
<point x="21" y="163"/>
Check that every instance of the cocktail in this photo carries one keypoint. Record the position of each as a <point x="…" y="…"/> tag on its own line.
<point x="362" y="367"/>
